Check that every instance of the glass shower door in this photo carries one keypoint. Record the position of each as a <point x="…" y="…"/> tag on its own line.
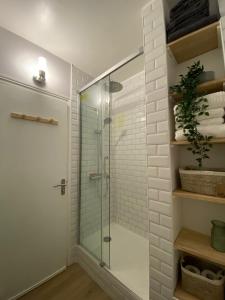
<point x="94" y="178"/>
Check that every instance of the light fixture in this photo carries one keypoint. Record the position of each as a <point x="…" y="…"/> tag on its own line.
<point x="40" y="75"/>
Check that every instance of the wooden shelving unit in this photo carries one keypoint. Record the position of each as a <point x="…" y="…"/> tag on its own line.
<point x="195" y="43"/>
<point x="213" y="141"/>
<point x="198" y="245"/>
<point x="208" y="87"/>
<point x="212" y="86"/>
<point x="182" y="295"/>
<point x="199" y="197"/>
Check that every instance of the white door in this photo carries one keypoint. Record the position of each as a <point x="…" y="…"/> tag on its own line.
<point x="33" y="214"/>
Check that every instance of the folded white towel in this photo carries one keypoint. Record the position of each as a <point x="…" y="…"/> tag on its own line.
<point x="216" y="100"/>
<point x="213" y="113"/>
<point x="213" y="121"/>
<point x="217" y="131"/>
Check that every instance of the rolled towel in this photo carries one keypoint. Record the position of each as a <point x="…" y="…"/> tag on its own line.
<point x="192" y="269"/>
<point x="209" y="274"/>
<point x="217" y="131"/>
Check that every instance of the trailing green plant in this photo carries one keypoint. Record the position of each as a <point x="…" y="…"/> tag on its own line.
<point x="192" y="106"/>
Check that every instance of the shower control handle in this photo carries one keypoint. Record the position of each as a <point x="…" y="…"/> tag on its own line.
<point x="62" y="185"/>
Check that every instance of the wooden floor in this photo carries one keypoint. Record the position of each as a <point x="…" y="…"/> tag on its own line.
<point x="72" y="284"/>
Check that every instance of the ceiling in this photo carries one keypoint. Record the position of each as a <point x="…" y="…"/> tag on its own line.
<point x="94" y="35"/>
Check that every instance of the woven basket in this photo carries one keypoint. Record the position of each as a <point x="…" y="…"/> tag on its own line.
<point x="203" y="182"/>
<point x="199" y="286"/>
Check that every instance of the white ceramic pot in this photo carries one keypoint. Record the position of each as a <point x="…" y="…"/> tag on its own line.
<point x="222" y="7"/>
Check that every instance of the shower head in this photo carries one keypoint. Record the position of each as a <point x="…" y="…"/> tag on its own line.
<point x="114" y="87"/>
<point x="107" y="121"/>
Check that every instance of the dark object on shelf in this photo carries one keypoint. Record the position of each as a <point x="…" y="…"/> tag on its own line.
<point x="218" y="235"/>
<point x="207" y="76"/>
<point x="197" y="10"/>
<point x="187" y="5"/>
<point x="192" y="27"/>
<point x="190" y="15"/>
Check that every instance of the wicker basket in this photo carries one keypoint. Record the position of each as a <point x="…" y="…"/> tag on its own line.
<point x="203" y="181"/>
<point x="199" y="286"/>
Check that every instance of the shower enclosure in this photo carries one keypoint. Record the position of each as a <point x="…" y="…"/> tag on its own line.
<point x="95" y="177"/>
<point x="113" y="165"/>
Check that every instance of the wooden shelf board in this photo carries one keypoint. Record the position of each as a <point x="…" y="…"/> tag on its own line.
<point x="195" y="43"/>
<point x="213" y="141"/>
<point x="198" y="245"/>
<point x="182" y="295"/>
<point x="212" y="86"/>
<point x="208" y="87"/>
<point x="200" y="197"/>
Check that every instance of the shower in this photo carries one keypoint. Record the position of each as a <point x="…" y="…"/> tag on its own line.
<point x="113" y="219"/>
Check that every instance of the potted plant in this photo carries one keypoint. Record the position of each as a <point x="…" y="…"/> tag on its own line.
<point x="189" y="109"/>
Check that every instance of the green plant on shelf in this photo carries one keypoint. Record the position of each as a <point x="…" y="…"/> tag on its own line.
<point x="192" y="106"/>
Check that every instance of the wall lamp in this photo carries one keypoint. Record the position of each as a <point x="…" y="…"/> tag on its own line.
<point x="40" y="76"/>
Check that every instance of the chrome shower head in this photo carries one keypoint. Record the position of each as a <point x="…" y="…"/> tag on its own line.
<point x="114" y="87"/>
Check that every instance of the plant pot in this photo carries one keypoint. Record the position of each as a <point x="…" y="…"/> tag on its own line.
<point x="207" y="182"/>
<point x="207" y="76"/>
<point x="222" y="7"/>
<point x="218" y="235"/>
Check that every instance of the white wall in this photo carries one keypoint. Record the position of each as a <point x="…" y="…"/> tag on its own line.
<point x="19" y="58"/>
<point x="128" y="156"/>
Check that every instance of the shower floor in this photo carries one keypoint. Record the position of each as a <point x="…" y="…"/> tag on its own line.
<point x="129" y="258"/>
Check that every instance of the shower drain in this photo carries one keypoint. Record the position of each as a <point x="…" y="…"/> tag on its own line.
<point x="107" y="239"/>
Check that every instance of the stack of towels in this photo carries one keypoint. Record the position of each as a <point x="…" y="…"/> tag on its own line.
<point x="212" y="125"/>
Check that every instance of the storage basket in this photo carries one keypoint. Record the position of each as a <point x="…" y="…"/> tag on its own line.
<point x="203" y="181"/>
<point x="198" y="285"/>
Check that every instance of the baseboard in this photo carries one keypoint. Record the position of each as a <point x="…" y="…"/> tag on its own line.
<point x="110" y="284"/>
<point x="38" y="284"/>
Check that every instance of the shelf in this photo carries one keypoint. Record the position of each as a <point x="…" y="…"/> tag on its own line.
<point x="208" y="87"/>
<point x="195" y="43"/>
<point x="199" y="197"/>
<point x="212" y="86"/>
<point x="198" y="245"/>
<point x="213" y="141"/>
<point x="182" y="295"/>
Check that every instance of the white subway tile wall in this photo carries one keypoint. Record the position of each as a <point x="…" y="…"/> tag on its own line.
<point x="159" y="174"/>
<point x="79" y="79"/>
<point x="128" y="156"/>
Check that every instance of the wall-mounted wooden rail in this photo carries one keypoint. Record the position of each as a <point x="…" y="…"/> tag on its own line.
<point x="38" y="119"/>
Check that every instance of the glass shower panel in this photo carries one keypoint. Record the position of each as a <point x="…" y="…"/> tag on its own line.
<point x="94" y="181"/>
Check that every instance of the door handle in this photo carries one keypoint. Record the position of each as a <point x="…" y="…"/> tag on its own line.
<point x="62" y="185"/>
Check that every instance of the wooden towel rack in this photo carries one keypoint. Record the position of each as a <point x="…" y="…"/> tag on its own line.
<point x="50" y="121"/>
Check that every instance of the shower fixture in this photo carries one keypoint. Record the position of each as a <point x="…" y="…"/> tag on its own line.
<point x="107" y="121"/>
<point x="113" y="87"/>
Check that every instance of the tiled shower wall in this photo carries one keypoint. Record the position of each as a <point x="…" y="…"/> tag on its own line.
<point x="79" y="79"/>
<point x="91" y="189"/>
<point x="128" y="158"/>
